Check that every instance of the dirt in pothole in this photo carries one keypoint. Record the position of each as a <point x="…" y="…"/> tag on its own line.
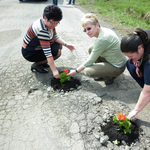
<point x="68" y="85"/>
<point x="110" y="129"/>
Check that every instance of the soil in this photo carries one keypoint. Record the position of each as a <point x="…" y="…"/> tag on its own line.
<point x="110" y="129"/>
<point x="68" y="85"/>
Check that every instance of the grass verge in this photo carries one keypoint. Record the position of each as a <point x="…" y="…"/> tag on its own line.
<point x="124" y="15"/>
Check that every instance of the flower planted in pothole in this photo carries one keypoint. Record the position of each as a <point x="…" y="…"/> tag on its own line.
<point x="124" y="122"/>
<point x="63" y="77"/>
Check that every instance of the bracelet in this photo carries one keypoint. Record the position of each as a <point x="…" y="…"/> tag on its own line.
<point x="65" y="44"/>
<point x="77" y="71"/>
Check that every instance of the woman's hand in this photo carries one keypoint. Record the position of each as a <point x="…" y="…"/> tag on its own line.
<point x="143" y="100"/>
<point x="71" y="47"/>
<point x="61" y="42"/>
<point x="132" y="114"/>
<point x="72" y="73"/>
<point x="138" y="72"/>
<point x="56" y="74"/>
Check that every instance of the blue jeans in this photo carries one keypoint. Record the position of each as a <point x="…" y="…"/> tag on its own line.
<point x="132" y="69"/>
<point x="71" y="0"/>
<point x="55" y="2"/>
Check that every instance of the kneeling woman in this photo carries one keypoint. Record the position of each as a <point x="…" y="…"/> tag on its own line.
<point x="41" y="43"/>
<point x="106" y="61"/>
<point x="136" y="46"/>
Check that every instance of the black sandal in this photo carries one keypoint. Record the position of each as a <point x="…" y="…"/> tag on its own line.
<point x="45" y="65"/>
<point x="43" y="70"/>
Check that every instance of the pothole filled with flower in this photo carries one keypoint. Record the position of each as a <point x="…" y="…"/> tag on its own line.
<point x="121" y="130"/>
<point x="65" y="83"/>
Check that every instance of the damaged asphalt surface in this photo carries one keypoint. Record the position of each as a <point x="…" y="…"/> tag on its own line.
<point x="35" y="117"/>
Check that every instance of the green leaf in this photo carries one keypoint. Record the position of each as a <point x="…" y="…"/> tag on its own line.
<point x="116" y="142"/>
<point x="115" y="119"/>
<point x="117" y="129"/>
<point x="63" y="77"/>
<point x="124" y="124"/>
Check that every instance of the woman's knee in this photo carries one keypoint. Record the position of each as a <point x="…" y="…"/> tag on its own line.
<point x="88" y="72"/>
<point x="131" y="68"/>
<point x="58" y="54"/>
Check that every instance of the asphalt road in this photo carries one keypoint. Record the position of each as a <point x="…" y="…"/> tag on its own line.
<point x="32" y="116"/>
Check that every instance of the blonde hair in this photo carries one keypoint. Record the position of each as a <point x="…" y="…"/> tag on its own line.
<point x="89" y="18"/>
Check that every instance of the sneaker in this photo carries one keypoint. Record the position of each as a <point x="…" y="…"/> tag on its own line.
<point x="109" y="81"/>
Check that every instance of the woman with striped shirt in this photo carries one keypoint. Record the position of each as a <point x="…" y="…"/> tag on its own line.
<point x="41" y="43"/>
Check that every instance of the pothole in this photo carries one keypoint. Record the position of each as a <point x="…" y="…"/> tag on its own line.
<point x="111" y="130"/>
<point x="68" y="85"/>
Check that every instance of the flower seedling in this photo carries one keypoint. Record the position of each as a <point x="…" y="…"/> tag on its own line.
<point x="124" y="122"/>
<point x="63" y="76"/>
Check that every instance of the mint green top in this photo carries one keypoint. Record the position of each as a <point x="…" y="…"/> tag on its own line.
<point x="107" y="45"/>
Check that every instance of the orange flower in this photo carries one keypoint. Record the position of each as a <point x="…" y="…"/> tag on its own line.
<point x="121" y="116"/>
<point x="65" y="70"/>
<point x="123" y="122"/>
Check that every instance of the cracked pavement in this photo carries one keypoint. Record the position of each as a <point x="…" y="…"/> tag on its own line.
<point x="32" y="115"/>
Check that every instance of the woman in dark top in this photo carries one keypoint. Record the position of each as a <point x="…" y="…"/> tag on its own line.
<point x="136" y="46"/>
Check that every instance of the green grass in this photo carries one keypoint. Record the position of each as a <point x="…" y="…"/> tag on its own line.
<point x="131" y="13"/>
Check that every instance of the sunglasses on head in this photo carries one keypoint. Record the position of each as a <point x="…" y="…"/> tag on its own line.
<point x="88" y="29"/>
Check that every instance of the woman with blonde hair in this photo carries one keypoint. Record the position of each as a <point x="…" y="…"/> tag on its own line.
<point x="105" y="61"/>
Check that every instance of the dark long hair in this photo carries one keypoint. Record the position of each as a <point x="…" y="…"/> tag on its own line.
<point x="130" y="42"/>
<point x="52" y="12"/>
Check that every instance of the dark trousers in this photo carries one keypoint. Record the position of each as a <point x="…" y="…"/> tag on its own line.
<point x="38" y="55"/>
<point x="71" y="0"/>
<point x="132" y="69"/>
<point x="55" y="2"/>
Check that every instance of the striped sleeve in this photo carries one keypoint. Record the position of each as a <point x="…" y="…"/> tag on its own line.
<point x="45" y="42"/>
<point x="28" y="37"/>
<point x="39" y="38"/>
<point x="55" y="34"/>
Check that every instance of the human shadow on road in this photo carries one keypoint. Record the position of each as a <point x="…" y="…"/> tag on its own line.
<point x="46" y="77"/>
<point x="143" y="123"/>
<point x="113" y="91"/>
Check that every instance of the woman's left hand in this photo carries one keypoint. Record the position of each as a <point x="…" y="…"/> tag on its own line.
<point x="132" y="114"/>
<point x="72" y="73"/>
<point x="71" y="47"/>
<point x="138" y="72"/>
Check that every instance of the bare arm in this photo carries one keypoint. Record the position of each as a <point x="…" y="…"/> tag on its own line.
<point x="74" y="72"/>
<point x="53" y="67"/>
<point x="60" y="41"/>
<point x="143" y="100"/>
